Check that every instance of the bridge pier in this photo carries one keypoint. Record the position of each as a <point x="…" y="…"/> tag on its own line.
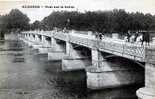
<point x="58" y="50"/>
<point x="74" y="60"/>
<point x="104" y="74"/>
<point x="37" y="45"/>
<point x="26" y="40"/>
<point x="46" y="45"/>
<point x="23" y="37"/>
<point x="148" y="92"/>
<point x="30" y="40"/>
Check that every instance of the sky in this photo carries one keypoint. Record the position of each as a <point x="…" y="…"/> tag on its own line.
<point x="145" y="6"/>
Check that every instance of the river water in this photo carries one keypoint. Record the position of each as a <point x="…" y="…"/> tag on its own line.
<point x="24" y="74"/>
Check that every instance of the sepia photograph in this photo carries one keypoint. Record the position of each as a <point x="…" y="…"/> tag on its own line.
<point x="77" y="49"/>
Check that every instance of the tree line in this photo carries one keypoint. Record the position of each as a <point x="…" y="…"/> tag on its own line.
<point x="117" y="20"/>
<point x="101" y="21"/>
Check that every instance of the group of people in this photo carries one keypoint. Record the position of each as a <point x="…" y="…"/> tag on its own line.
<point x="138" y="37"/>
<point x="99" y="35"/>
<point x="132" y="37"/>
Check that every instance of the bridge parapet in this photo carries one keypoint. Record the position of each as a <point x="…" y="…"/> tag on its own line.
<point x="48" y="33"/>
<point x="60" y="36"/>
<point x="82" y="41"/>
<point x="45" y="33"/>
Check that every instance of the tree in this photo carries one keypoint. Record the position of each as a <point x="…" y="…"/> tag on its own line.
<point x="16" y="20"/>
<point x="36" y="25"/>
<point x="152" y="25"/>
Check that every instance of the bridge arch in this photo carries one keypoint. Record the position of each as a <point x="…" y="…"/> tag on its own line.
<point x="142" y="64"/>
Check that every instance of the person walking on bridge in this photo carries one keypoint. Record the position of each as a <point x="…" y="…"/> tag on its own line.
<point x="146" y="38"/>
<point x="128" y="36"/>
<point x="100" y="36"/>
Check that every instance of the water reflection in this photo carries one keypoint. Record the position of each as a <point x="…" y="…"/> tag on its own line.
<point x="24" y="74"/>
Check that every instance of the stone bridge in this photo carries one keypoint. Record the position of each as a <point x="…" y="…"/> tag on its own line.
<point x="85" y="51"/>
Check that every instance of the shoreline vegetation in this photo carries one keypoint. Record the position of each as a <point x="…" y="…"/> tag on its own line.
<point x="114" y="21"/>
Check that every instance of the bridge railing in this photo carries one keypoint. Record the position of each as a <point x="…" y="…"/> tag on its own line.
<point x="131" y="51"/>
<point x="82" y="41"/>
<point x="137" y="51"/>
<point x="61" y="36"/>
<point x="128" y="50"/>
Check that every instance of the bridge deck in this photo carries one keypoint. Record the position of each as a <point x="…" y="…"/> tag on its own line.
<point x="134" y="51"/>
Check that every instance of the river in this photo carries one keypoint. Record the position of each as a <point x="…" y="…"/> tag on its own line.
<point x="24" y="74"/>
